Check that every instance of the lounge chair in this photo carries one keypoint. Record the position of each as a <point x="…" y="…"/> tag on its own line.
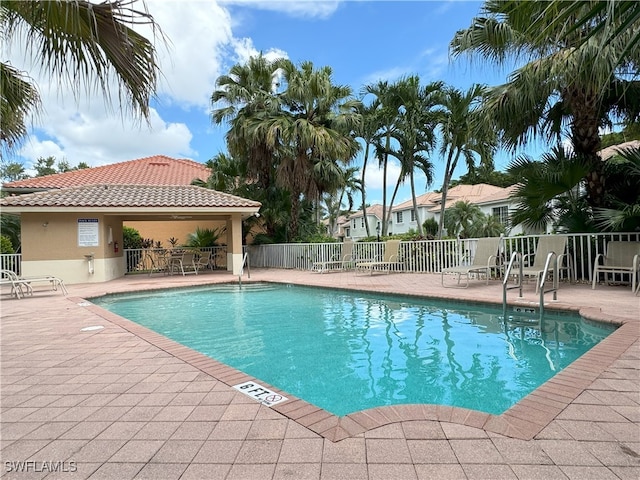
<point x="546" y="244"/>
<point x="7" y="277"/>
<point x="621" y="258"/>
<point x="484" y="260"/>
<point x="388" y="260"/>
<point x="22" y="286"/>
<point x="344" y="260"/>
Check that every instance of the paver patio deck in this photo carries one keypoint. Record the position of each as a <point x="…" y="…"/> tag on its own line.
<point x="123" y="402"/>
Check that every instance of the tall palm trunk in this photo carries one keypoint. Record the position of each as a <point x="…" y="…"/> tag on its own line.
<point x="393" y="196"/>
<point x="586" y="140"/>
<point x="448" y="173"/>
<point x="295" y="214"/>
<point x="415" y="202"/>
<point x="385" y="221"/>
<point x="362" y="190"/>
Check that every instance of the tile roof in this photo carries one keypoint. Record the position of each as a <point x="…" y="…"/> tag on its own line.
<point x="608" y="152"/>
<point x="375" y="210"/>
<point x="155" y="170"/>
<point x="127" y="196"/>
<point x="478" y="194"/>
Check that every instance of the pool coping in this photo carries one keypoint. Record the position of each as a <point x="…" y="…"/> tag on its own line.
<point x="524" y="420"/>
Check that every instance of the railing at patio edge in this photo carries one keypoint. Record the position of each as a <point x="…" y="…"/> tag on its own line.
<point x="11" y="261"/>
<point x="424" y="256"/>
<point x="142" y="260"/>
<point x="431" y="256"/>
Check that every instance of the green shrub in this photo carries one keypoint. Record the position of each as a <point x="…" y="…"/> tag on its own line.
<point x="205" y="237"/>
<point x="318" y="238"/>
<point x="5" y="245"/>
<point x="430" y="227"/>
<point x="262" y="239"/>
<point x="131" y="238"/>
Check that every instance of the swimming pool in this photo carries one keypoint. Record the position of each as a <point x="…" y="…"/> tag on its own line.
<point x="346" y="351"/>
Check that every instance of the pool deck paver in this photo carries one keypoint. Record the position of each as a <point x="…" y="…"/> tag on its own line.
<point x="124" y="402"/>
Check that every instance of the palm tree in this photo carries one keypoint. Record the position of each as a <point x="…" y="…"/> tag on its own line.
<point x="461" y="218"/>
<point x="611" y="20"/>
<point x="549" y="192"/>
<point x="414" y="133"/>
<point x="334" y="201"/>
<point x="387" y="113"/>
<point x="204" y="237"/>
<point x="560" y="90"/>
<point x="227" y="175"/>
<point x="81" y="43"/>
<point x="248" y="92"/>
<point x="313" y="129"/>
<point x="463" y="133"/>
<point x="368" y="132"/>
<point x="488" y="226"/>
<point x="624" y="177"/>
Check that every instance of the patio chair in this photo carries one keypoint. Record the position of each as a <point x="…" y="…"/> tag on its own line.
<point x="620" y="258"/>
<point x="546" y="244"/>
<point x="344" y="261"/>
<point x="388" y="260"/>
<point x="202" y="261"/>
<point x="158" y="262"/>
<point x="484" y="261"/>
<point x="183" y="262"/>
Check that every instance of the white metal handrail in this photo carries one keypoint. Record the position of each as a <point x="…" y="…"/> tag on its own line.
<point x="245" y="261"/>
<point x="545" y="273"/>
<point x="515" y="257"/>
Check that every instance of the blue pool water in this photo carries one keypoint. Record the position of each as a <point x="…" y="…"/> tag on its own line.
<point x="347" y="351"/>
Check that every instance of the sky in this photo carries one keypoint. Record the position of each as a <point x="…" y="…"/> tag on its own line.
<point x="362" y="41"/>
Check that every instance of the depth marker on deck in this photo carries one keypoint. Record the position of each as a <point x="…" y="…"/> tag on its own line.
<point x="261" y="394"/>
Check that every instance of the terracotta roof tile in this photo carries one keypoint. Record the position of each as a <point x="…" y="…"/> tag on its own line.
<point x="156" y="170"/>
<point x="375" y="210"/>
<point x="180" y="196"/>
<point x="608" y="152"/>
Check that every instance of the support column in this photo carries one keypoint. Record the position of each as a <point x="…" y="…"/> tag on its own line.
<point x="234" y="244"/>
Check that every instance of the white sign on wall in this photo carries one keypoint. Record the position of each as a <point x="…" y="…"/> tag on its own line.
<point x="88" y="232"/>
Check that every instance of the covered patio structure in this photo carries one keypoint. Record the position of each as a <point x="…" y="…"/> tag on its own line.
<point x="76" y="233"/>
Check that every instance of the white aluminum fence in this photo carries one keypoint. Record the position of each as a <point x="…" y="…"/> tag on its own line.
<point x="425" y="256"/>
<point x="11" y="261"/>
<point x="431" y="256"/>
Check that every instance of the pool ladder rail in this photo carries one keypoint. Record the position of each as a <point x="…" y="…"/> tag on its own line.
<point x="516" y="259"/>
<point x="245" y="261"/>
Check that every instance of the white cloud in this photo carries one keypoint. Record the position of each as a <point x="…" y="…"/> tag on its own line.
<point x="390" y="75"/>
<point x="198" y="33"/>
<point x="80" y="126"/>
<point x="244" y="50"/>
<point x="374" y="176"/>
<point x="99" y="139"/>
<point x="434" y="63"/>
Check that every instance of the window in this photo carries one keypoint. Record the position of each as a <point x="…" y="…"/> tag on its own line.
<point x="362" y="223"/>
<point x="413" y="215"/>
<point x="347" y="233"/>
<point x="399" y="217"/>
<point x="353" y="223"/>
<point x="502" y="213"/>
